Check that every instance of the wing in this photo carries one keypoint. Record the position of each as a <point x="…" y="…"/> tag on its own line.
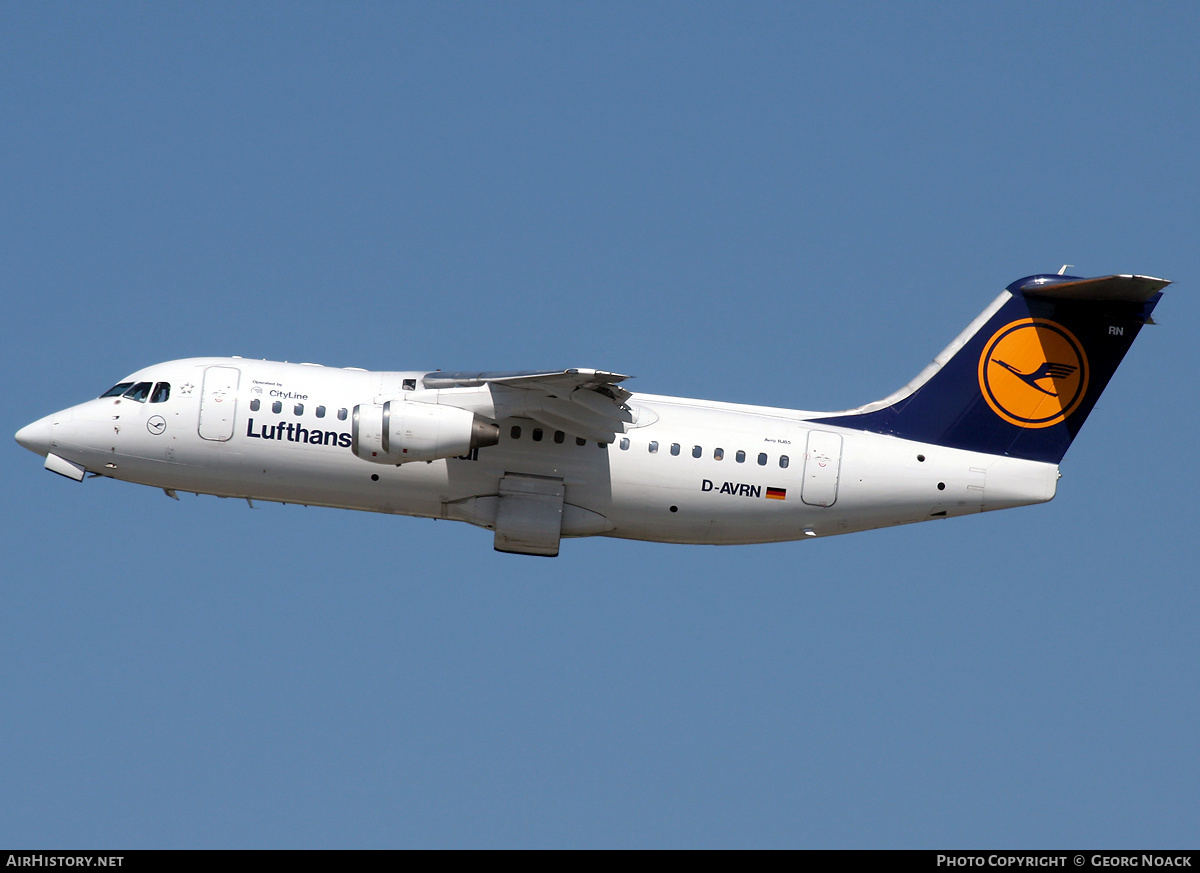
<point x="583" y="403"/>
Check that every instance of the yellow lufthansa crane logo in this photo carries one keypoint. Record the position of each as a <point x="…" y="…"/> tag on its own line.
<point x="1033" y="373"/>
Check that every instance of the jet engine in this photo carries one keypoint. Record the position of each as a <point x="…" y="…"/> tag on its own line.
<point x="400" y="431"/>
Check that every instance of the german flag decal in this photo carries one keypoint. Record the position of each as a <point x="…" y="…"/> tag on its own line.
<point x="777" y="493"/>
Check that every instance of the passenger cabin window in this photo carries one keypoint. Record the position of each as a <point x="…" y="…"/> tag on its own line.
<point x="625" y="444"/>
<point x="515" y="433"/>
<point x="277" y="407"/>
<point x="139" y="392"/>
<point x="254" y="404"/>
<point x="580" y="441"/>
<point x="783" y="461"/>
<point x="162" y="392"/>
<point x="559" y="436"/>
<point x="718" y="454"/>
<point x="762" y="459"/>
<point x="117" y="390"/>
<point x="654" y="447"/>
<point x="537" y="434"/>
<point x="674" y="448"/>
<point x="342" y="414"/>
<point x="320" y="412"/>
<point x="697" y="451"/>
<point x="740" y="457"/>
<point x="299" y="409"/>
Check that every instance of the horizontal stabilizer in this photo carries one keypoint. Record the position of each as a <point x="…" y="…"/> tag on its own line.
<point x="1136" y="289"/>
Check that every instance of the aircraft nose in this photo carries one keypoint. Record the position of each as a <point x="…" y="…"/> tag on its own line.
<point x="36" y="436"/>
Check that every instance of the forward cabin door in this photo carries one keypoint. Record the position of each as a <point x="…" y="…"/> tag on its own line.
<point x="218" y="402"/>
<point x="822" y="460"/>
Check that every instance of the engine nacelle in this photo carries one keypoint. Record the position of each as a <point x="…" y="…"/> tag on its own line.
<point x="400" y="431"/>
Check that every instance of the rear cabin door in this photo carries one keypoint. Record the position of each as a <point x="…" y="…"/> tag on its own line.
<point x="218" y="402"/>
<point x="822" y="460"/>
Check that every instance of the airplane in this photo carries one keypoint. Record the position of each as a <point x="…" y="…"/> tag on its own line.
<point x="542" y="455"/>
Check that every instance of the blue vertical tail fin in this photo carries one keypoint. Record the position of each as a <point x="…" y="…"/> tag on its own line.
<point x="1023" y="376"/>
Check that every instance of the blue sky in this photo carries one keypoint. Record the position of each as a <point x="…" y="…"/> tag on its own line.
<point x="787" y="204"/>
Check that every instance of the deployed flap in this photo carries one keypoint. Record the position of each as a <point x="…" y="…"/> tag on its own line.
<point x="584" y="403"/>
<point x="529" y="517"/>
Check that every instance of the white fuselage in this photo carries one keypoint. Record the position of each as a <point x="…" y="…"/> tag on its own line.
<point x="739" y="474"/>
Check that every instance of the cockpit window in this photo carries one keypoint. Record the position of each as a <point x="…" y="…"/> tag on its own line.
<point x="139" y="392"/>
<point x="117" y="390"/>
<point x="162" y="391"/>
